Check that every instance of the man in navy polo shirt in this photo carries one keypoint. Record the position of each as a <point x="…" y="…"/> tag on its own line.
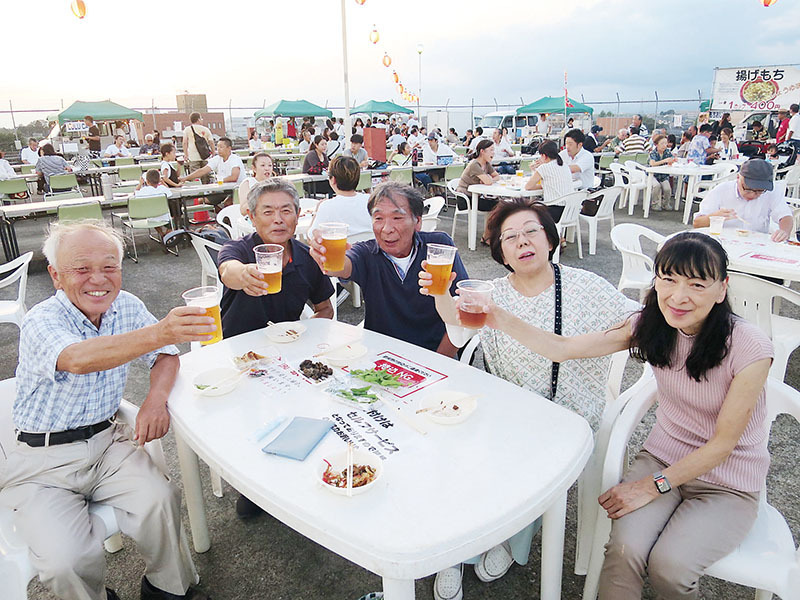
<point x="273" y="207"/>
<point x="386" y="268"/>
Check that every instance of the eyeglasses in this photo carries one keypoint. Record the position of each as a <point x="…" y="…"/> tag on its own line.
<point x="752" y="191"/>
<point x="511" y="236"/>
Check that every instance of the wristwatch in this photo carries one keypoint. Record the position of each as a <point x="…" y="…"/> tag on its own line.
<point x="662" y="483"/>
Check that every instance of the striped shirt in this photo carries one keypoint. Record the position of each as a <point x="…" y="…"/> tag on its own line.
<point x="556" y="180"/>
<point x="53" y="400"/>
<point x="633" y="143"/>
<point x="687" y="411"/>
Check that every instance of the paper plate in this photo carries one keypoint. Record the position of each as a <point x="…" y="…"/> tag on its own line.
<point x="284" y="333"/>
<point x="339" y="463"/>
<point x="447" y="400"/>
<point x="222" y="381"/>
<point x="346" y="355"/>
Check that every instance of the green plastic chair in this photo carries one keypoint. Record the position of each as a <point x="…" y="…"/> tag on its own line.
<point x="461" y="150"/>
<point x="643" y="158"/>
<point x="606" y="160"/>
<point x="401" y="176"/>
<point x="64" y="182"/>
<point x="364" y="181"/>
<point x="249" y="162"/>
<point x="525" y="166"/>
<point x="124" y="160"/>
<point x="96" y="162"/>
<point x="294" y="171"/>
<point x="130" y="173"/>
<point x="453" y="171"/>
<point x="27" y="169"/>
<point x="80" y="212"/>
<point x="12" y="186"/>
<point x="516" y="147"/>
<point x="242" y="152"/>
<point x="145" y="213"/>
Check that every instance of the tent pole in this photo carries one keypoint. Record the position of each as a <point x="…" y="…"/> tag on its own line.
<point x="347" y="127"/>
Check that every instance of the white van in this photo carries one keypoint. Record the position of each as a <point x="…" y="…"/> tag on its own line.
<point x="508" y="119"/>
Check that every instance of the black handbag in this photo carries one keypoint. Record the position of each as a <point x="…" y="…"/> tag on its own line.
<point x="201" y="144"/>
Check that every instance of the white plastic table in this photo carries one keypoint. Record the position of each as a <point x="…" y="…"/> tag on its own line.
<point x="443" y="498"/>
<point x="757" y="254"/>
<point x="691" y="170"/>
<point x="504" y="188"/>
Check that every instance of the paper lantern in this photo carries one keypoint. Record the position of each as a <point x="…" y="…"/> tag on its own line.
<point x="400" y="88"/>
<point x="360" y="2"/>
<point x="374" y="36"/>
<point x="387" y="60"/>
<point x="769" y="3"/>
<point x="396" y="77"/>
<point x="78" y="8"/>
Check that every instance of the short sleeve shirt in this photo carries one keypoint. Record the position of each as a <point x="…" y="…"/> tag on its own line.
<point x="190" y="149"/>
<point x="769" y="206"/>
<point x="393" y="304"/>
<point x="470" y="175"/>
<point x="655" y="156"/>
<point x="53" y="400"/>
<point x="697" y="149"/>
<point x="226" y="167"/>
<point x="94" y="145"/>
<point x="360" y="156"/>
<point x="585" y="161"/>
<point x="302" y="281"/>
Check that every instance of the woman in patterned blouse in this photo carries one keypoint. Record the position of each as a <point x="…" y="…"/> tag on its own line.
<point x="522" y="237"/>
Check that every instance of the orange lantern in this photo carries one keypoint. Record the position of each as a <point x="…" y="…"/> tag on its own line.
<point x="360" y="2"/>
<point x="387" y="60"/>
<point x="769" y="3"/>
<point x="400" y="88"/>
<point x="374" y="36"/>
<point x="396" y="77"/>
<point x="78" y="8"/>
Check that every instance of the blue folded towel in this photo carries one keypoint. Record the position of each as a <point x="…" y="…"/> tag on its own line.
<point x="299" y="438"/>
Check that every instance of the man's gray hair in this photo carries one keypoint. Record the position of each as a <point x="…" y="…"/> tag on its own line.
<point x="57" y="231"/>
<point x="270" y="186"/>
<point x="392" y="191"/>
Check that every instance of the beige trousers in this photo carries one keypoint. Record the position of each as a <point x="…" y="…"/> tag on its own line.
<point x="674" y="537"/>
<point x="662" y="195"/>
<point x="48" y="488"/>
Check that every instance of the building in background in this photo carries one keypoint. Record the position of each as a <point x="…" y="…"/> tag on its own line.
<point x="172" y="124"/>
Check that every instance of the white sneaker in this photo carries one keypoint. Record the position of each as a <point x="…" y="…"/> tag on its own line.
<point x="495" y="563"/>
<point x="447" y="585"/>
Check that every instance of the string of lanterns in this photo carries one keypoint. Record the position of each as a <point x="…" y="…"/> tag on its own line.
<point x="767" y="3"/>
<point x="78" y="8"/>
<point x="375" y="37"/>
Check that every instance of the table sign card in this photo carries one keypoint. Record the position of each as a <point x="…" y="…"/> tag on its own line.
<point x="367" y="429"/>
<point x="412" y="375"/>
<point x="779" y="259"/>
<point x="280" y="378"/>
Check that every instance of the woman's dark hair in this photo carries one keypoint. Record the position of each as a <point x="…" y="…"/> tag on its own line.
<point x="315" y="143"/>
<point x="727" y="131"/>
<point x="358" y="120"/>
<point x="166" y="148"/>
<point x="48" y="150"/>
<point x="671" y="141"/>
<point x="689" y="254"/>
<point x="262" y="155"/>
<point x="511" y="206"/>
<point x="480" y="147"/>
<point x="401" y="147"/>
<point x="549" y="149"/>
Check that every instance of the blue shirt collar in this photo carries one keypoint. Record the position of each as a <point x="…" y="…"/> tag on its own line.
<point x="81" y="319"/>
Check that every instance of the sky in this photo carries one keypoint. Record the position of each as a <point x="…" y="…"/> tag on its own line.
<point x="250" y="53"/>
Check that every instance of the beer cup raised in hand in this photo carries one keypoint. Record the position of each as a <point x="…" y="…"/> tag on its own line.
<point x="269" y="259"/>
<point x="207" y="297"/>
<point x="334" y="239"/>
<point x="474" y="296"/>
<point x="440" y="265"/>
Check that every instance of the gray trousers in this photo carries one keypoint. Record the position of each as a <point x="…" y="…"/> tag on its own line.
<point x="673" y="538"/>
<point x="193" y="165"/>
<point x="662" y="194"/>
<point x="49" y="489"/>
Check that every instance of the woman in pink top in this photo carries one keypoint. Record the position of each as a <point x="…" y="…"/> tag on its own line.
<point x="691" y="495"/>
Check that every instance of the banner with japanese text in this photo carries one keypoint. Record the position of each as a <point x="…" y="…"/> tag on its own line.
<point x="755" y="88"/>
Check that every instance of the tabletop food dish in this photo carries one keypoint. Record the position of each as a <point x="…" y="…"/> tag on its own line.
<point x="216" y="382"/>
<point x="332" y="472"/>
<point x="344" y="355"/>
<point x="448" y="407"/>
<point x="284" y="333"/>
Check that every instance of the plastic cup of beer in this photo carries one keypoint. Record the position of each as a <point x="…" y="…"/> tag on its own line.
<point x="206" y="297"/>
<point x="520" y="173"/>
<point x="475" y="295"/>
<point x="334" y="238"/>
<point x="440" y="265"/>
<point x="220" y="179"/>
<point x="269" y="259"/>
<point x="716" y="225"/>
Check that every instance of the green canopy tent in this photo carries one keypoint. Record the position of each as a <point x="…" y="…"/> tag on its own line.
<point x="382" y="108"/>
<point x="293" y="108"/>
<point x="705" y="105"/>
<point x="553" y="104"/>
<point x="100" y="111"/>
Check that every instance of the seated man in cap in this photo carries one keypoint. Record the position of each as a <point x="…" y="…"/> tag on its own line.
<point x="75" y="350"/>
<point x="750" y="202"/>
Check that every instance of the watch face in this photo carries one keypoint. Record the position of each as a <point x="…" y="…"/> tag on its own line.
<point x="663" y="485"/>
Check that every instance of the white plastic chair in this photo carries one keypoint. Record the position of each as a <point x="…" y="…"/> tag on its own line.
<point x="753" y="298"/>
<point x="452" y="187"/>
<point x="12" y="311"/>
<point x="726" y="172"/>
<point x="620" y="180"/>
<point x="434" y="206"/>
<point x="637" y="268"/>
<point x="605" y="212"/>
<point x="792" y="181"/>
<point x="234" y="222"/>
<point x="767" y="558"/>
<point x="15" y="566"/>
<point x="637" y="182"/>
<point x="569" y="223"/>
<point x="210" y="273"/>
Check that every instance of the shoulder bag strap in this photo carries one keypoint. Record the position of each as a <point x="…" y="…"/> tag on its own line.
<point x="556" y="326"/>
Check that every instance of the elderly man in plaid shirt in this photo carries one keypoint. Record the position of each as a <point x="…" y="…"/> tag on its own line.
<point x="74" y="354"/>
